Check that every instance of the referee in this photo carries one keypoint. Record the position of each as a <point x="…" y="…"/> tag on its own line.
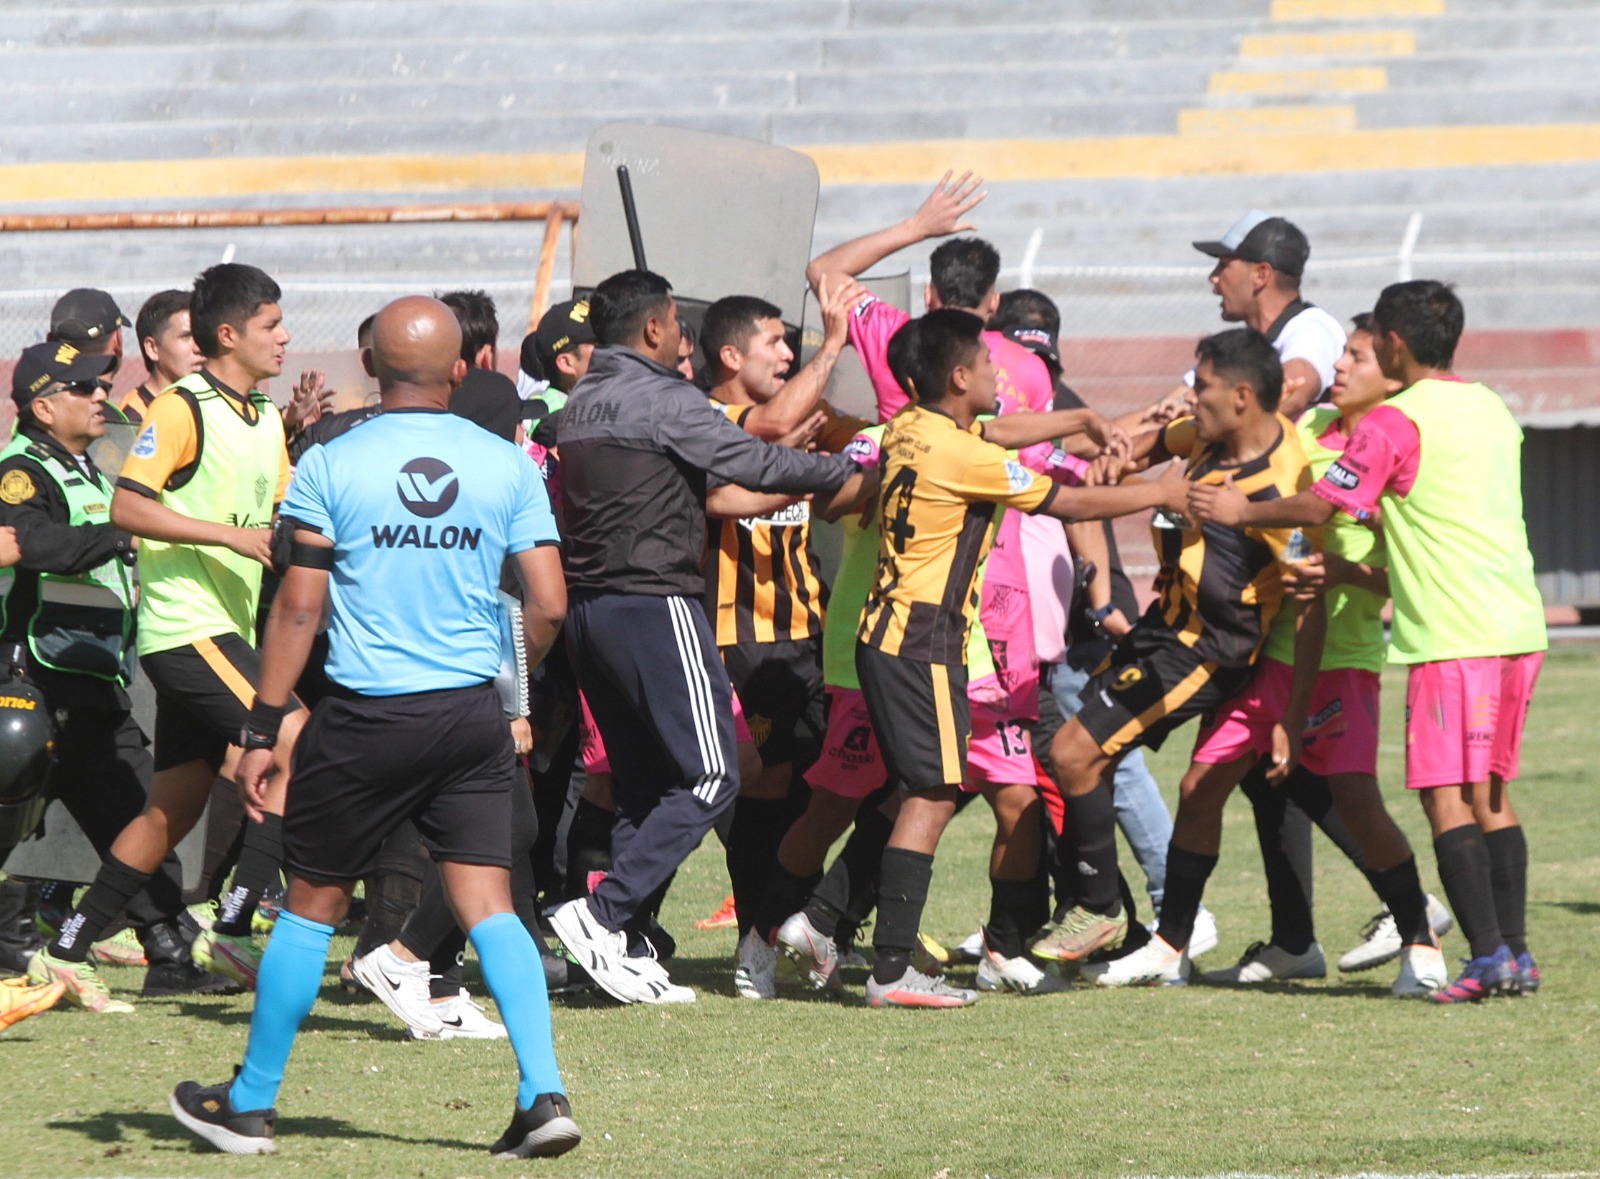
<point x="405" y="524"/>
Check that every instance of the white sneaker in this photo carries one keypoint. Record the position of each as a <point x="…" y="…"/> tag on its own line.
<point x="463" y="1019"/>
<point x="403" y="988"/>
<point x="1264" y="962"/>
<point x="998" y="973"/>
<point x="756" y="976"/>
<point x="600" y="951"/>
<point x="1204" y="935"/>
<point x="1154" y="964"/>
<point x="651" y="983"/>
<point x="1380" y="937"/>
<point x="1422" y="972"/>
<point x="969" y="951"/>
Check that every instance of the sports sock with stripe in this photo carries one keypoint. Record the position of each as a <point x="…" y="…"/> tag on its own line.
<point x="902" y="894"/>
<point x="1508" y="876"/>
<point x="1464" y="870"/>
<point x="286" y="990"/>
<point x="260" y="860"/>
<point x="515" y="978"/>
<point x="114" y="886"/>
<point x="1187" y="873"/>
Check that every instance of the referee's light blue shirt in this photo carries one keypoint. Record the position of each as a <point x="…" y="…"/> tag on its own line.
<point x="423" y="508"/>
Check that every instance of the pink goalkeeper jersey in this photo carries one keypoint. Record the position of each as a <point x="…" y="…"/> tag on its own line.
<point x="1021" y="383"/>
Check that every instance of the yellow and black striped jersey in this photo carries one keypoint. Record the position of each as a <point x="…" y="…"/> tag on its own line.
<point x="763" y="580"/>
<point x="936" y="509"/>
<point x="1220" y="588"/>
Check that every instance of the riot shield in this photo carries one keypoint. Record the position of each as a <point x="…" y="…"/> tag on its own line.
<point x="716" y="215"/>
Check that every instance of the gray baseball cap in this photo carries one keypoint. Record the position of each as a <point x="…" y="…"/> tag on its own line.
<point x="1261" y="237"/>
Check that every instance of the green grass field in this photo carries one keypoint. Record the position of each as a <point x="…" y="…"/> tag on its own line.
<point x="1334" y="1078"/>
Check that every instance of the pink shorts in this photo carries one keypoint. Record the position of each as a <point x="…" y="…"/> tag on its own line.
<point x="1464" y="718"/>
<point x="850" y="765"/>
<point x="1341" y="733"/>
<point x="592" y="747"/>
<point x="1000" y="752"/>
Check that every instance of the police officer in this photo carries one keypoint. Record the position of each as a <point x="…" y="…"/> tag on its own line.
<point x="68" y="618"/>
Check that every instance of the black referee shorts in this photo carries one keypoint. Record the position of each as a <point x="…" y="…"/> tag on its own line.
<point x="1150" y="685"/>
<point x="365" y="764"/>
<point x="921" y="717"/>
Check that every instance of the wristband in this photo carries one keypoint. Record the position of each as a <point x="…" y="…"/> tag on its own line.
<point x="260" y="729"/>
<point x="1103" y="612"/>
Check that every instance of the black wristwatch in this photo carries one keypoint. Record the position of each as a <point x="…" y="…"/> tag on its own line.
<point x="253" y="739"/>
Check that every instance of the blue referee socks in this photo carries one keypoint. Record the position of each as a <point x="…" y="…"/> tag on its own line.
<point x="286" y="989"/>
<point x="515" y="976"/>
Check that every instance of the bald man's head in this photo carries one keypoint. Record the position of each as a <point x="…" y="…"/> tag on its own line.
<point x="416" y="341"/>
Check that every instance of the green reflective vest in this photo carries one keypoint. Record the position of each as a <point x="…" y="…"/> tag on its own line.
<point x="82" y="623"/>
<point x="192" y="591"/>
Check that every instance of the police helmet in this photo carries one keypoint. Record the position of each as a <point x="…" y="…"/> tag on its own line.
<point x="27" y="748"/>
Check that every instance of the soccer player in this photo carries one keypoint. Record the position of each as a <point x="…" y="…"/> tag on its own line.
<point x="1440" y="463"/>
<point x="944" y="473"/>
<point x="199" y="488"/>
<point x="404" y="524"/>
<point x="1340" y="739"/>
<point x="639" y="448"/>
<point x="166" y="345"/>
<point x="1195" y="647"/>
<point x="764" y="586"/>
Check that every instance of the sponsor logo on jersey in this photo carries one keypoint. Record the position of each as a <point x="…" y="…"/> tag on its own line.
<point x="144" y="446"/>
<point x="409" y="536"/>
<point x="1343" y="477"/>
<point x="427" y="487"/>
<point x="1019" y="475"/>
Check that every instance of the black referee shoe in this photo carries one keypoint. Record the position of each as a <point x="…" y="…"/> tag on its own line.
<point x="206" y="1110"/>
<point x="542" y="1131"/>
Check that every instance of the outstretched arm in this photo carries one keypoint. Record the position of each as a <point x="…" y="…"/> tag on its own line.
<point x="943" y="213"/>
<point x="1223" y="503"/>
<point x="1103" y="503"/>
<point x="802" y="393"/>
<point x="1017" y="430"/>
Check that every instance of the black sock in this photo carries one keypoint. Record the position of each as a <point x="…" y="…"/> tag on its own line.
<point x="902" y="894"/>
<point x="1187" y="873"/>
<point x="1464" y="870"/>
<point x="1508" y="876"/>
<point x="260" y="861"/>
<point x="431" y="923"/>
<point x="588" y="845"/>
<point x="1015" y="911"/>
<point x="1284" y="833"/>
<point x="1401" y="889"/>
<point x="1092" y="845"/>
<point x="851" y="882"/>
<point x="447" y="965"/>
<point x="785" y="893"/>
<point x="114" y="885"/>
<point x="758" y="827"/>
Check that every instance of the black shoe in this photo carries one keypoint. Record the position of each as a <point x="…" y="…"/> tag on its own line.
<point x="662" y="944"/>
<point x="19" y="939"/>
<point x="183" y="977"/>
<point x="542" y="1131"/>
<point x="172" y="971"/>
<point x="205" y="1110"/>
